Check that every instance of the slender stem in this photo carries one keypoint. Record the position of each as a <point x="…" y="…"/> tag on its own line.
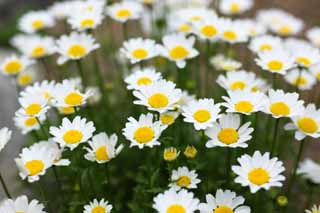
<point x="228" y="166"/>
<point x="4" y="186"/>
<point x="55" y="172"/>
<point x="81" y="73"/>
<point x="99" y="76"/>
<point x="275" y="136"/>
<point x="42" y="128"/>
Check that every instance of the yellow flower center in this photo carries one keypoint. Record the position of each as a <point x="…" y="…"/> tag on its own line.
<point x="308" y="125"/>
<point x="77" y="51"/>
<point x="33" y="109"/>
<point x="304" y="61"/>
<point x="244" y="106"/>
<point x="72" y="136"/>
<point x="158" y="100"/>
<point x="285" y="30"/>
<point x="124" y="13"/>
<point x="37" y="24"/>
<point x="183" y="181"/>
<point x="167" y="119"/>
<point x="99" y="209"/>
<point x="190" y="152"/>
<point x="300" y="81"/>
<point x="170" y="154"/>
<point x="275" y="65"/>
<point x="209" y="31"/>
<point x="87" y="23"/>
<point x="265" y="47"/>
<point x="223" y="209"/>
<point x="67" y="110"/>
<point x="13" y="67"/>
<point x="38" y="51"/>
<point x="24" y="79"/>
<point x="144" y="81"/>
<point x="318" y="75"/>
<point x="176" y="208"/>
<point x="259" y="176"/>
<point x="228" y="136"/>
<point x="144" y="134"/>
<point x="73" y="99"/>
<point x="102" y="154"/>
<point x="195" y="18"/>
<point x="279" y="109"/>
<point x="140" y="53"/>
<point x="238" y="85"/>
<point x="234" y="8"/>
<point x="178" y="52"/>
<point x="30" y="121"/>
<point x="202" y="115"/>
<point x="184" y="28"/>
<point x="34" y="167"/>
<point x="255" y="89"/>
<point x="230" y="35"/>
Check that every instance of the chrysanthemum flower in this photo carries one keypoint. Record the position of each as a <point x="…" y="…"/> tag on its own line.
<point x="125" y="11"/>
<point x="314" y="209"/>
<point x="85" y="20"/>
<point x="103" y="148"/>
<point x="313" y="35"/>
<point x="170" y="154"/>
<point x="234" y="7"/>
<point x="304" y="55"/>
<point x="26" y="78"/>
<point x="237" y="80"/>
<point x="315" y="70"/>
<point x="184" y="178"/>
<point x="61" y="10"/>
<point x="233" y="31"/>
<point x="27" y="123"/>
<point x="34" y="21"/>
<point x="21" y="204"/>
<point x="224" y="201"/>
<point x="223" y="63"/>
<point x="71" y="134"/>
<point x="5" y="136"/>
<point x="209" y="29"/>
<point x="302" y="79"/>
<point x="259" y="171"/>
<point x="310" y="170"/>
<point x="194" y="14"/>
<point x="143" y="132"/>
<point x="33" y="106"/>
<point x="287" y="25"/>
<point x="253" y="27"/>
<point x="168" y="118"/>
<point x="227" y="132"/>
<point x="265" y="43"/>
<point x="14" y="64"/>
<point x="140" y="78"/>
<point x="97" y="206"/>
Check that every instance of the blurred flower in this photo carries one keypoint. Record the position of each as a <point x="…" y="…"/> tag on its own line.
<point x="168" y="118"/>
<point x="14" y="64"/>
<point x="313" y="35"/>
<point x="21" y="204"/>
<point x="97" y="206"/>
<point x="310" y="170"/>
<point x="25" y="78"/>
<point x="315" y="209"/>
<point x="234" y="7"/>
<point x="27" y="123"/>
<point x="5" y="136"/>
<point x="43" y="89"/>
<point x="208" y="29"/>
<point x="265" y="43"/>
<point x="236" y="80"/>
<point x="142" y="77"/>
<point x="81" y="21"/>
<point x="190" y="152"/>
<point x="170" y="154"/>
<point x="302" y="79"/>
<point x="221" y="62"/>
<point x="233" y="31"/>
<point x="125" y="10"/>
<point x="184" y="178"/>
<point x="315" y="70"/>
<point x="34" y="21"/>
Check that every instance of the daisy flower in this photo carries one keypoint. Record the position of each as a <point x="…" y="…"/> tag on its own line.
<point x="305" y="56"/>
<point x="96" y="206"/>
<point x="223" y="63"/>
<point x="233" y="31"/>
<point x="194" y="14"/>
<point x="185" y="99"/>
<point x="125" y="11"/>
<point x="159" y="96"/>
<point x="190" y="152"/>
<point x="143" y="132"/>
<point x="102" y="148"/>
<point x="265" y="43"/>
<point x="26" y="78"/>
<point x="88" y="20"/>
<point x="61" y="10"/>
<point x="26" y="123"/>
<point x="244" y="101"/>
<point x="208" y="29"/>
<point x="275" y="61"/>
<point x="315" y="71"/>
<point x="142" y="77"/>
<point x="95" y="96"/>
<point x="315" y="209"/>
<point x="184" y="178"/>
<point x="310" y="170"/>
<point x="42" y="89"/>
<point x="71" y="134"/>
<point x="259" y="171"/>
<point x="178" y="48"/>
<point x="227" y="132"/>
<point x="260" y="85"/>
<point x="170" y="154"/>
<point x="5" y="136"/>
<point x="33" y="106"/>
<point x="202" y="113"/>
<point x="75" y="46"/>
<point x="254" y="28"/>
<point x="168" y="118"/>
<point x="138" y="49"/>
<point x="21" y="204"/>
<point x="14" y="64"/>
<point x="34" y="21"/>
<point x="236" y="80"/>
<point x="287" y="25"/>
<point x="234" y="7"/>
<point x="281" y="104"/>
<point x="313" y="35"/>
<point x="302" y="79"/>
<point x="179" y="25"/>
<point x="307" y="123"/>
<point x="172" y="201"/>
<point x="224" y="201"/>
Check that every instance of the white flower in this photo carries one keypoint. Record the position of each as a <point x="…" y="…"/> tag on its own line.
<point x="302" y="79"/>
<point x="5" y="136"/>
<point x="140" y="78"/>
<point x="26" y="77"/>
<point x="310" y="170"/>
<point x="224" y="201"/>
<point x="227" y="132"/>
<point x="34" y="21"/>
<point x="14" y="64"/>
<point x="194" y="14"/>
<point x="237" y="80"/>
<point x="208" y="29"/>
<point x="221" y="62"/>
<point x="259" y="171"/>
<point x="315" y="71"/>
<point x="44" y="88"/>
<point x="184" y="178"/>
<point x="103" y="148"/>
<point x="21" y="204"/>
<point x="96" y="206"/>
<point x="33" y="106"/>
<point x="315" y="209"/>
<point x="124" y="11"/>
<point x="233" y="31"/>
<point x="265" y="43"/>
<point x="253" y="27"/>
<point x="168" y="118"/>
<point x="26" y="123"/>
<point x="305" y="56"/>
<point x="80" y="20"/>
<point x="233" y="7"/>
<point x="287" y="25"/>
<point x="313" y="35"/>
<point x="61" y="10"/>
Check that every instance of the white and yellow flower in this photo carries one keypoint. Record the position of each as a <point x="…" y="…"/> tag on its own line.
<point x="314" y="209"/>
<point x="233" y="31"/>
<point x="208" y="29"/>
<point x="40" y="89"/>
<point x="254" y="28"/>
<point x="259" y="171"/>
<point x="160" y="96"/>
<point x="315" y="70"/>
<point x="172" y="201"/>
<point x="142" y="77"/>
<point x="281" y="104"/>
<point x="236" y="80"/>
<point x="26" y="123"/>
<point x="287" y="25"/>
<point x="138" y="49"/>
<point x="194" y="14"/>
<point x="168" y="118"/>
<point x="97" y="206"/>
<point x="313" y="35"/>
<point x="143" y="132"/>
<point x="303" y="53"/>
<point x="227" y="132"/>
<point x="71" y="134"/>
<point x="85" y="20"/>
<point x="201" y="113"/>
<point x="244" y="101"/>
<point x="310" y="170"/>
<point x="75" y="46"/>
<point x="265" y="43"/>
<point x="33" y="106"/>
<point x="224" y="201"/>
<point x="21" y="204"/>
<point x="14" y="64"/>
<point x="102" y="148"/>
<point x="125" y="11"/>
<point x="5" y="136"/>
<point x="223" y="63"/>
<point x="178" y="48"/>
<point x="235" y="7"/>
<point x="184" y="178"/>
<point x="61" y="10"/>
<point x="302" y="79"/>
<point x="34" y="21"/>
<point x="26" y="77"/>
<point x="170" y="154"/>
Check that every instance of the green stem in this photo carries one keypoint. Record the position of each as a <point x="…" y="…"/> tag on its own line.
<point x="275" y="136"/>
<point x="99" y="76"/>
<point x="228" y="165"/>
<point x="4" y="186"/>
<point x="44" y="132"/>
<point x="81" y="73"/>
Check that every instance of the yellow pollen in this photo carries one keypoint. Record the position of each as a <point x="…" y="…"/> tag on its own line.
<point x="223" y="209"/>
<point x="67" y="110"/>
<point x="34" y="167"/>
<point x="238" y="85"/>
<point x="72" y="136"/>
<point x="167" y="119"/>
<point x="13" y="67"/>
<point x="275" y="65"/>
<point x="234" y="8"/>
<point x="73" y="99"/>
<point x="230" y="35"/>
<point x="33" y="109"/>
<point x="209" y="31"/>
<point x="140" y="53"/>
<point x="259" y="176"/>
<point x="158" y="100"/>
<point x="102" y="153"/>
<point x="176" y="208"/>
<point x="304" y="61"/>
<point x="183" y="181"/>
<point x="202" y="115"/>
<point x="184" y="28"/>
<point x="123" y="13"/>
<point x="265" y="47"/>
<point x="87" y="23"/>
<point x="144" y="134"/>
<point x="144" y="81"/>
<point x="308" y="125"/>
<point x="279" y="109"/>
<point x="300" y="81"/>
<point x="244" y="106"/>
<point x="24" y="79"/>
<point x="178" y="52"/>
<point x="99" y="209"/>
<point x="228" y="136"/>
<point x="285" y="30"/>
<point x="30" y="121"/>
<point x="77" y="51"/>
<point x="37" y="24"/>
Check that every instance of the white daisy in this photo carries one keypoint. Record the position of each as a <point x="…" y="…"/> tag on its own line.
<point x="142" y="77"/>
<point x="33" y="106"/>
<point x="302" y="79"/>
<point x="315" y="209"/>
<point x="254" y="28"/>
<point x="88" y="20"/>
<point x="184" y="178"/>
<point x="306" y="56"/>
<point x="223" y="63"/>
<point x="168" y="118"/>
<point x="313" y="35"/>
<point x="265" y="43"/>
<point x="43" y="89"/>
<point x="233" y="31"/>
<point x="21" y="204"/>
<point x="194" y="14"/>
<point x="287" y="25"/>
<point x="26" y="77"/>
<point x="5" y="136"/>
<point x="236" y="80"/>
<point x="124" y="11"/>
<point x="234" y="7"/>
<point x="208" y="29"/>
<point x="26" y="123"/>
<point x="14" y="64"/>
<point x="34" y="21"/>
<point x="97" y="206"/>
<point x="61" y="10"/>
<point x="310" y="170"/>
<point x="315" y="70"/>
